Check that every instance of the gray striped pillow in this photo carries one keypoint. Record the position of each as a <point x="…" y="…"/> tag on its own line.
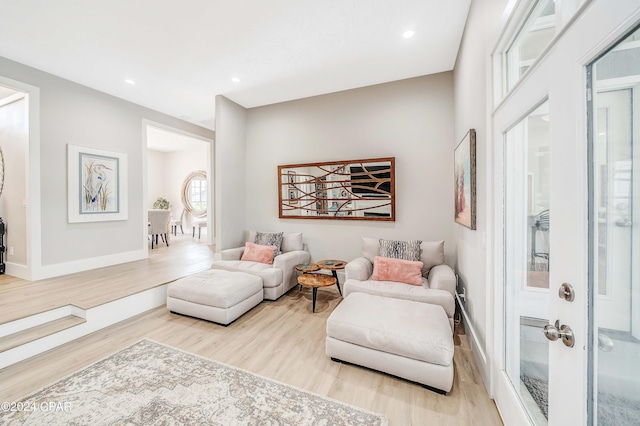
<point x="407" y="250"/>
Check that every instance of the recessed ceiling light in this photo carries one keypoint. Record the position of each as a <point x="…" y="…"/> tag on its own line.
<point x="129" y="81"/>
<point x="408" y="34"/>
<point x="235" y="80"/>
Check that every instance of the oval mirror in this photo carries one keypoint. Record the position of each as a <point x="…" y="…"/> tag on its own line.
<point x="194" y="193"/>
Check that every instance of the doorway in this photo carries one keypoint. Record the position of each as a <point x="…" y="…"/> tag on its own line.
<point x="172" y="158"/>
<point x="14" y="157"/>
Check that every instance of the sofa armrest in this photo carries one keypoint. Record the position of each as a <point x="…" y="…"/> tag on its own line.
<point x="287" y="262"/>
<point x="358" y="269"/>
<point x="232" y="254"/>
<point x="441" y="277"/>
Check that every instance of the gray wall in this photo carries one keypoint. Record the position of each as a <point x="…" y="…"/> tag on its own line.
<point x="74" y="114"/>
<point x="411" y="120"/>
<point x="230" y="166"/>
<point x="472" y="109"/>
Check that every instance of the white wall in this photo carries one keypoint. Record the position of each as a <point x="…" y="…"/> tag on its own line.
<point x="411" y="120"/>
<point x="14" y="141"/>
<point x="472" y="91"/>
<point x="157" y="177"/>
<point x="71" y="113"/>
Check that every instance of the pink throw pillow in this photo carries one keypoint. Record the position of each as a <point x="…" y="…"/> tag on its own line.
<point x="398" y="270"/>
<point x="258" y="253"/>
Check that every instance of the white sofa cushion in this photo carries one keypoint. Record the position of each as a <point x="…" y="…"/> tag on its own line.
<point x="404" y="291"/>
<point x="271" y="277"/>
<point x="217" y="288"/>
<point x="292" y="241"/>
<point x="414" y="330"/>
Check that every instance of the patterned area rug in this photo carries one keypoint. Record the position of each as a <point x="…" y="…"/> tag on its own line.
<point x="149" y="383"/>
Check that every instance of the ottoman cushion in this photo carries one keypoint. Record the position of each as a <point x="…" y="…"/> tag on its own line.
<point x="214" y="287"/>
<point x="415" y="330"/>
<point x="271" y="277"/>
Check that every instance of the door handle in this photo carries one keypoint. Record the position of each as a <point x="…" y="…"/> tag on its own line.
<point x="557" y="331"/>
<point x="623" y="223"/>
<point x="605" y="344"/>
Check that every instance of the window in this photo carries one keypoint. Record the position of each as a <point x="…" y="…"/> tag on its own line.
<point x="534" y="36"/>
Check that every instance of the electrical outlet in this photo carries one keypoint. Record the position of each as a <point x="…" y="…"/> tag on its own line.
<point x="11" y="251"/>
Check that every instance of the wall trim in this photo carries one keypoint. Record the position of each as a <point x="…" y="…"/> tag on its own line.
<point x="478" y="353"/>
<point x="32" y="172"/>
<point x="18" y="270"/>
<point x="11" y="99"/>
<point x="55" y="270"/>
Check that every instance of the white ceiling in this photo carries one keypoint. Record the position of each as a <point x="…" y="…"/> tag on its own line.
<point x="182" y="54"/>
<point x="168" y="141"/>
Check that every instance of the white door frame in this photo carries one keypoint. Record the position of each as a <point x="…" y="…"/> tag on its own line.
<point x="210" y="175"/>
<point x="559" y="74"/>
<point x="33" y="269"/>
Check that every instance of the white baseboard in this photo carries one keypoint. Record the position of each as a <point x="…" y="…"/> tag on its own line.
<point x="478" y="353"/>
<point x="97" y="318"/>
<point x="58" y="269"/>
<point x="17" y="270"/>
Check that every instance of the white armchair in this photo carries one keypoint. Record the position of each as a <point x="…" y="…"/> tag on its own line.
<point x="277" y="278"/>
<point x="438" y="280"/>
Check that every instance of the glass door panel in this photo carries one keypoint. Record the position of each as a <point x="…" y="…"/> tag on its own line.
<point x="615" y="234"/>
<point x="527" y="259"/>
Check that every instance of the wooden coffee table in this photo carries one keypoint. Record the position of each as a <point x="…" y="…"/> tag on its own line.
<point x="333" y="265"/>
<point x="314" y="281"/>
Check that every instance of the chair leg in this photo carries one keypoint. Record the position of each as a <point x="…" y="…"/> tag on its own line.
<point x="193" y="234"/>
<point x="166" y="239"/>
<point x="181" y="230"/>
<point x="152" y="238"/>
<point x="199" y="230"/>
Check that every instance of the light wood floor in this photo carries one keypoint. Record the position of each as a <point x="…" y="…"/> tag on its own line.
<point x="185" y="255"/>
<point x="282" y="340"/>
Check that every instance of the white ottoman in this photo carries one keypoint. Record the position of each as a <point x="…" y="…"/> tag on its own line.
<point x="215" y="295"/>
<point x="407" y="339"/>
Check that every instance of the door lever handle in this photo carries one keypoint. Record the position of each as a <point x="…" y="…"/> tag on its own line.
<point x="557" y="331"/>
<point x="623" y="223"/>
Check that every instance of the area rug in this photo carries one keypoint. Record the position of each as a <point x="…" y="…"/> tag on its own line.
<point x="150" y="383"/>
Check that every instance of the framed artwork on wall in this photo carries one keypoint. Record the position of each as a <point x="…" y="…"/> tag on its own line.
<point x="465" y="181"/>
<point x="97" y="185"/>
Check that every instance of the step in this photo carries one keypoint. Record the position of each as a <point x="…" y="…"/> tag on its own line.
<point x="39" y="331"/>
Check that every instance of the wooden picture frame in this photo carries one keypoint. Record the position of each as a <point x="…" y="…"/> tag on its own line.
<point x="344" y="190"/>
<point x="464" y="175"/>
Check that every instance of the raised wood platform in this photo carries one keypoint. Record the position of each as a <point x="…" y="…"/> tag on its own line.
<point x="38" y="316"/>
<point x="185" y="255"/>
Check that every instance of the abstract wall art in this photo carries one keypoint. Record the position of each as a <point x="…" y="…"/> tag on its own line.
<point x="464" y="167"/>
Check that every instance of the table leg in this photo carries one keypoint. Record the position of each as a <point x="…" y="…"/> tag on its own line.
<point x="335" y="275"/>
<point x="315" y="293"/>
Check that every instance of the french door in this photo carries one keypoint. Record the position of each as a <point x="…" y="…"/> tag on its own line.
<point x="567" y="207"/>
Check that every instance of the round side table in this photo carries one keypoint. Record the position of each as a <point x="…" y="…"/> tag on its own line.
<point x="315" y="281"/>
<point x="333" y="265"/>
